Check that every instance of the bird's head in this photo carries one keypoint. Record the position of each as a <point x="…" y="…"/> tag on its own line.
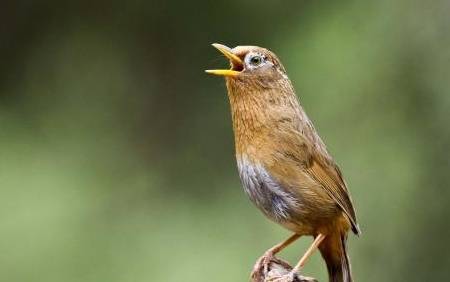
<point x="261" y="96"/>
<point x="250" y="66"/>
<point x="260" y="93"/>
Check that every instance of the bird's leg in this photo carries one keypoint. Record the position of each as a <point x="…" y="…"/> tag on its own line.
<point x="290" y="277"/>
<point x="279" y="247"/>
<point x="264" y="261"/>
<point x="308" y="253"/>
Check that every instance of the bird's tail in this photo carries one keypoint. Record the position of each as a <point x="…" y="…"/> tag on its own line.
<point x="334" y="251"/>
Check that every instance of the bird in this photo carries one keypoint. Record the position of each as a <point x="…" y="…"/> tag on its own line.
<point x="283" y="164"/>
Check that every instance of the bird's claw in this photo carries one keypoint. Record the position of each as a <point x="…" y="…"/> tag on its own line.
<point x="262" y="264"/>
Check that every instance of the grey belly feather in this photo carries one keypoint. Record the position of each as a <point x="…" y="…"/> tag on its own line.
<point x="274" y="201"/>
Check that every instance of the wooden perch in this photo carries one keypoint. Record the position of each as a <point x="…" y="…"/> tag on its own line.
<point x="276" y="269"/>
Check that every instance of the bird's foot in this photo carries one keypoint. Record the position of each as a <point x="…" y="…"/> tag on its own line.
<point x="262" y="264"/>
<point x="269" y="268"/>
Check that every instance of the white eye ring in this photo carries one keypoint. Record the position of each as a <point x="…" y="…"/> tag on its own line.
<point x="256" y="60"/>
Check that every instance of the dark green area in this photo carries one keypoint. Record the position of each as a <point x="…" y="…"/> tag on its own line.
<point x="117" y="152"/>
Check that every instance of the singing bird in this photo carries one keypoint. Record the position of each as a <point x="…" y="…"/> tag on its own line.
<point x="283" y="164"/>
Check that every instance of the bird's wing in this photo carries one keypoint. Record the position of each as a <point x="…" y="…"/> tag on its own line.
<point x="323" y="169"/>
<point x="319" y="166"/>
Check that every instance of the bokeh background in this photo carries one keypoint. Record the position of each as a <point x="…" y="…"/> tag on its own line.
<point x="117" y="159"/>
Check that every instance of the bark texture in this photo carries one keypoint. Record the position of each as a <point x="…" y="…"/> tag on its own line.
<point x="276" y="269"/>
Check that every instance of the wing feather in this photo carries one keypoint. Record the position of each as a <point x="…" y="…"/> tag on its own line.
<point x="329" y="176"/>
<point x="318" y="164"/>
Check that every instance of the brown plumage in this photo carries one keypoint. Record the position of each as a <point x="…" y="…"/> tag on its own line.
<point x="283" y="164"/>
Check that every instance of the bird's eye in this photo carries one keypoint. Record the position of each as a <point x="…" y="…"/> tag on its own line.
<point x="256" y="60"/>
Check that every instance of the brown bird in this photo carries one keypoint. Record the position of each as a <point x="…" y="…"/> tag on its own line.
<point x="283" y="164"/>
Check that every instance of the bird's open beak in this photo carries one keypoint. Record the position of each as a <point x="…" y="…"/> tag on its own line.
<point x="236" y="63"/>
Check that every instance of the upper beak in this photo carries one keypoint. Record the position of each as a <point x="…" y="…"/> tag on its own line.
<point x="234" y="60"/>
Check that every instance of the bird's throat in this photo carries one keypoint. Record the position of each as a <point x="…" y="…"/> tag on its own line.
<point x="259" y="112"/>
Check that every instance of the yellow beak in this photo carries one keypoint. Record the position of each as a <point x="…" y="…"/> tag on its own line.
<point x="235" y="60"/>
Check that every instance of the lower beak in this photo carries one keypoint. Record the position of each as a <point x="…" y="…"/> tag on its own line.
<point x="234" y="60"/>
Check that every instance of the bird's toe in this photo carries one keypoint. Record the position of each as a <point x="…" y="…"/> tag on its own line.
<point x="262" y="265"/>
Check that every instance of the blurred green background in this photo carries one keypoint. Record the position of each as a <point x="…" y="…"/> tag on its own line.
<point x="117" y="159"/>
